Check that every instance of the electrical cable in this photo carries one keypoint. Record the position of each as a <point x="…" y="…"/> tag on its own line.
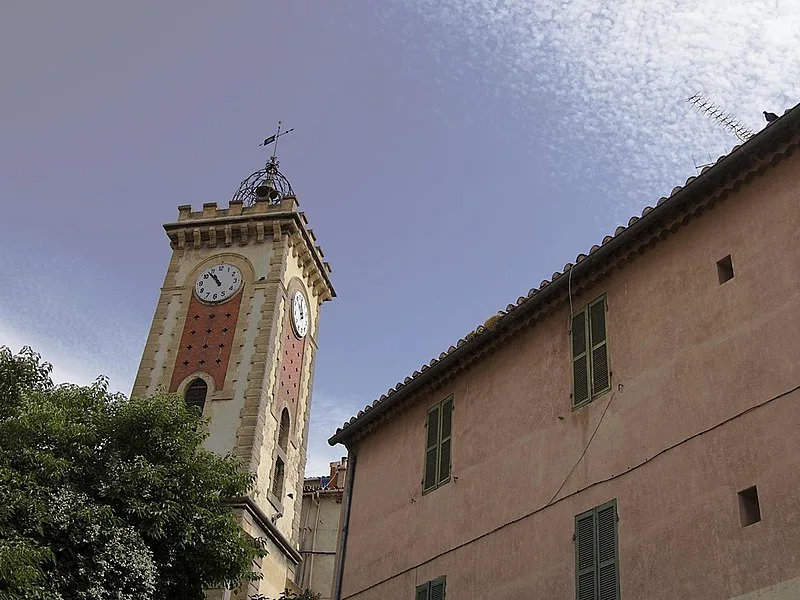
<point x="580" y="458"/>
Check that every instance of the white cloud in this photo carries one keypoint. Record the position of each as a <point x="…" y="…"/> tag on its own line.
<point x="616" y="75"/>
<point x="327" y="414"/>
<point x="68" y="366"/>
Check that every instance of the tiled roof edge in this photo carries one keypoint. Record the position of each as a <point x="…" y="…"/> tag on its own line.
<point x="536" y="296"/>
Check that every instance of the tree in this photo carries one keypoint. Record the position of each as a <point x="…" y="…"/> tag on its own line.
<point x="101" y="497"/>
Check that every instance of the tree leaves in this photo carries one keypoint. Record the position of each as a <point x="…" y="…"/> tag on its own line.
<point x="101" y="497"/>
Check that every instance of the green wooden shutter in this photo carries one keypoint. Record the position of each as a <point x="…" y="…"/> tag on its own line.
<point x="423" y="591"/>
<point x="580" y="359"/>
<point x="445" y="444"/>
<point x="437" y="589"/>
<point x="431" y="449"/>
<point x="607" y="553"/>
<point x="585" y="556"/>
<point x="599" y="347"/>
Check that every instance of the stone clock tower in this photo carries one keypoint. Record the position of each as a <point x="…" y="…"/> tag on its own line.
<point x="235" y="333"/>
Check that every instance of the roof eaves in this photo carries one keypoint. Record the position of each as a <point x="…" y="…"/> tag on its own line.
<point x="537" y="296"/>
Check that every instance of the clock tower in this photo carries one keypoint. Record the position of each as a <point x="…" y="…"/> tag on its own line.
<point x="235" y="333"/>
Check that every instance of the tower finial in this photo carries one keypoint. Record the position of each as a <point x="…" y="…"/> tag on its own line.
<point x="268" y="183"/>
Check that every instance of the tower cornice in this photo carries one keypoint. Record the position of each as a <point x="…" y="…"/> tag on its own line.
<point x="214" y="227"/>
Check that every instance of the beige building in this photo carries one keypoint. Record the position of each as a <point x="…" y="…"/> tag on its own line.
<point x="320" y="521"/>
<point x="235" y="332"/>
<point x="627" y="429"/>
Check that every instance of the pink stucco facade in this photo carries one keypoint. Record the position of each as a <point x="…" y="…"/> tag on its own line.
<point x="704" y="403"/>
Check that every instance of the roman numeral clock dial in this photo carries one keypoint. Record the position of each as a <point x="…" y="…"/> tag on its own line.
<point x="218" y="283"/>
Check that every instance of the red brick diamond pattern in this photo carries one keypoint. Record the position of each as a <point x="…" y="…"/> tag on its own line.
<point x="290" y="369"/>
<point x="206" y="341"/>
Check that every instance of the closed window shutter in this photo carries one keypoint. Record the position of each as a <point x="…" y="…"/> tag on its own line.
<point x="580" y="359"/>
<point x="597" y="554"/>
<point x="607" y="559"/>
<point x="597" y="329"/>
<point x="585" y="554"/>
<point x="446" y="430"/>
<point x="423" y="592"/>
<point x="437" y="590"/>
<point x="432" y="449"/>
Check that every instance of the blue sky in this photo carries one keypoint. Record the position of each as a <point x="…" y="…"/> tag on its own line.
<point x="450" y="154"/>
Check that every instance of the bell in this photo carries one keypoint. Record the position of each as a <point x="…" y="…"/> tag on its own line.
<point x="267" y="192"/>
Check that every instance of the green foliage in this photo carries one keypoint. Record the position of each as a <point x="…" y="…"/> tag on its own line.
<point x="306" y="594"/>
<point x="101" y="497"/>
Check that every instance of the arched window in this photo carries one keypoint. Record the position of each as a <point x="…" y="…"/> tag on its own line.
<point x="277" y="480"/>
<point x="283" y="432"/>
<point x="196" y="393"/>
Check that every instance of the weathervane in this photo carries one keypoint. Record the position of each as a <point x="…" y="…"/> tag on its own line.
<point x="274" y="138"/>
<point x="268" y="183"/>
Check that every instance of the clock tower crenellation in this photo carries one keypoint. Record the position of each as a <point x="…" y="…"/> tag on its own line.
<point x="235" y="333"/>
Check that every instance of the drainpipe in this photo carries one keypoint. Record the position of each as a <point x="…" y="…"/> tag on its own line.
<point x="314" y="541"/>
<point x="348" y="498"/>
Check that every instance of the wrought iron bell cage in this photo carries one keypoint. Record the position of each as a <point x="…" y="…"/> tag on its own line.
<point x="266" y="184"/>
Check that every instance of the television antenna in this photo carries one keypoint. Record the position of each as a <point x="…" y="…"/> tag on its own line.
<point x="702" y="165"/>
<point x="720" y="116"/>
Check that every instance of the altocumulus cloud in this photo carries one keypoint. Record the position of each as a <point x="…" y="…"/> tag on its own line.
<point x="326" y="415"/>
<point x="618" y="72"/>
<point x="69" y="365"/>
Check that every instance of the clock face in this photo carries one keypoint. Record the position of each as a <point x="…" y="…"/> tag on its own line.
<point x="218" y="283"/>
<point x="300" y="315"/>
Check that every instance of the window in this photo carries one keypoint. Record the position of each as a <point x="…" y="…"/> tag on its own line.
<point x="749" y="510"/>
<point x="597" y="554"/>
<point x="438" y="445"/>
<point x="277" y="480"/>
<point x="590" y="374"/>
<point x="432" y="590"/>
<point x="283" y="431"/>
<point x="195" y="394"/>
<point x="725" y="269"/>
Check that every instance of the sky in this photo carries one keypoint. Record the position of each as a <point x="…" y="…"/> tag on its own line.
<point x="449" y="154"/>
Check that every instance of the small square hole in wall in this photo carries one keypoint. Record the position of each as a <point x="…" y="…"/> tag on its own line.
<point x="749" y="511"/>
<point x="725" y="269"/>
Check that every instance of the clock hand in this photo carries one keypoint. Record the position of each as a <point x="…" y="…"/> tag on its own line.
<point x="214" y="277"/>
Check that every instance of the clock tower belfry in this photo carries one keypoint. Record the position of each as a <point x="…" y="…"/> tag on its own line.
<point x="235" y="333"/>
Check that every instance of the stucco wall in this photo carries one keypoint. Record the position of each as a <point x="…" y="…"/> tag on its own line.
<point x="686" y="355"/>
<point x="319" y="533"/>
